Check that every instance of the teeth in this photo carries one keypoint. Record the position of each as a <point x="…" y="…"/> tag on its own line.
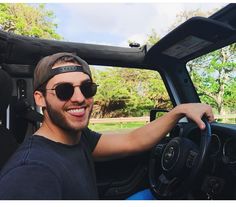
<point x="76" y="110"/>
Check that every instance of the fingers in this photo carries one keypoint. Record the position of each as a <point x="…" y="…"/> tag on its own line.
<point x="210" y="117"/>
<point x="197" y="111"/>
<point x="200" y="123"/>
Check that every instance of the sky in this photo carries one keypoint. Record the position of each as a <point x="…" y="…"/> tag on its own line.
<point x="117" y="23"/>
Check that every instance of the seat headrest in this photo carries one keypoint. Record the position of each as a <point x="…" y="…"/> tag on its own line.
<point x="6" y="87"/>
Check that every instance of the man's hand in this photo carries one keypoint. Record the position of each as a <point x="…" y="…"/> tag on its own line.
<point x="195" y="112"/>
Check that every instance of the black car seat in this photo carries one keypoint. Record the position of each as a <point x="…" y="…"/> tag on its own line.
<point x="8" y="143"/>
<point x="24" y="114"/>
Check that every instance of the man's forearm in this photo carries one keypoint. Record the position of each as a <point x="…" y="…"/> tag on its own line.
<point x="147" y="136"/>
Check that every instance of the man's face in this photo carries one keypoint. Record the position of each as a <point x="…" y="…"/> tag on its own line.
<point x="71" y="115"/>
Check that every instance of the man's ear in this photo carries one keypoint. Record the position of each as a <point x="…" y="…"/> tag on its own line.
<point x="39" y="99"/>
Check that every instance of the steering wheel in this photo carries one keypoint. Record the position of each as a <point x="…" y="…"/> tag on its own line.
<point x="180" y="161"/>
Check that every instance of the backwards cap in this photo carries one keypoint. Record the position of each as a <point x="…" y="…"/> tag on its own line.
<point x="44" y="72"/>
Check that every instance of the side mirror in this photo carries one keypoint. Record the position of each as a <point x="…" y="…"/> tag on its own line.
<point x="156" y="113"/>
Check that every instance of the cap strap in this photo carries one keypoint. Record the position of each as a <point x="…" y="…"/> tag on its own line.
<point x="66" y="69"/>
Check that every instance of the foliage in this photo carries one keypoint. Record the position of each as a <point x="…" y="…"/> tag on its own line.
<point x="28" y="20"/>
<point x="111" y="94"/>
<point x="214" y="78"/>
<point x="153" y="37"/>
<point x="128" y="92"/>
<point x="230" y="94"/>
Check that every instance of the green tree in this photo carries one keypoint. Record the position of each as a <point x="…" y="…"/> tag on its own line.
<point x="230" y="95"/>
<point x="128" y="92"/>
<point x="112" y="96"/>
<point x="24" y="19"/>
<point x="214" y="78"/>
<point x="152" y="38"/>
<point x="146" y="90"/>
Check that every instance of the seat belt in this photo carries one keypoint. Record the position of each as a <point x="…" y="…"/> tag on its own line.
<point x="25" y="110"/>
<point x="22" y="115"/>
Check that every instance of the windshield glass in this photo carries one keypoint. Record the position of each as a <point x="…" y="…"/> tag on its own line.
<point x="125" y="97"/>
<point x="214" y="77"/>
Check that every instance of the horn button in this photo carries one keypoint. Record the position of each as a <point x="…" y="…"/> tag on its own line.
<point x="178" y="156"/>
<point x="170" y="156"/>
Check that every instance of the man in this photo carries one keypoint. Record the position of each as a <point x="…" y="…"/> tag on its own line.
<point x="57" y="161"/>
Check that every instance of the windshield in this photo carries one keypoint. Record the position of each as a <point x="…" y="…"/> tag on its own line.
<point x="125" y="97"/>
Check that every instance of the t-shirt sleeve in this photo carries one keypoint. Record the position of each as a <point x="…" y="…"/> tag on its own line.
<point x="91" y="138"/>
<point x="30" y="182"/>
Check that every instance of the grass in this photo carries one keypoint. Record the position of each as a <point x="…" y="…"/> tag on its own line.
<point x="115" y="127"/>
<point x="227" y="121"/>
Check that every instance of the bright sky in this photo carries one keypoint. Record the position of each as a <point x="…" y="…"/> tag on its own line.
<point x="116" y="23"/>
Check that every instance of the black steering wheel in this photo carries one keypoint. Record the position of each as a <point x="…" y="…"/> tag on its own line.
<point x="180" y="161"/>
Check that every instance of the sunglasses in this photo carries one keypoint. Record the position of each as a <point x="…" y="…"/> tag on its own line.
<point x="64" y="91"/>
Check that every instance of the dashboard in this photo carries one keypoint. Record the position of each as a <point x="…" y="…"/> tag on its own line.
<point x="217" y="179"/>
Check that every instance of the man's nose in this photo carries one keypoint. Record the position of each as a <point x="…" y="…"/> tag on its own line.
<point x="77" y="95"/>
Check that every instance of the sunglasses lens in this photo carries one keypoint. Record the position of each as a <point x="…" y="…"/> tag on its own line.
<point x="64" y="91"/>
<point x="88" y="89"/>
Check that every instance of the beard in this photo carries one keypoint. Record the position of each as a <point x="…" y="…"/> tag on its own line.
<point x="60" y="121"/>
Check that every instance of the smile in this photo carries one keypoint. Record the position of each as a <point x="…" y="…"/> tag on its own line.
<point x="76" y="112"/>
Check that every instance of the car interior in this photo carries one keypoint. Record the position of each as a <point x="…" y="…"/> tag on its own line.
<point x="187" y="163"/>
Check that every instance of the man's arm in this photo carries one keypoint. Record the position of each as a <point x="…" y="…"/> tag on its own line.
<point x="144" y="138"/>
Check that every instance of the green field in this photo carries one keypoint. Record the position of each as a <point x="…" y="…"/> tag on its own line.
<point x="115" y="127"/>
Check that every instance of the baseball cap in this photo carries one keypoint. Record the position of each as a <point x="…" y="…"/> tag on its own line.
<point x="44" y="72"/>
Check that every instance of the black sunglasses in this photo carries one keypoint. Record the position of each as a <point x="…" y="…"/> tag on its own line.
<point x="65" y="91"/>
